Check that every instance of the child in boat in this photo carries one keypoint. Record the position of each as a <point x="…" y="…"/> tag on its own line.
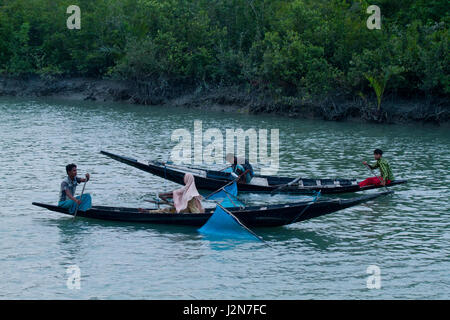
<point x="386" y="173"/>
<point x="185" y="200"/>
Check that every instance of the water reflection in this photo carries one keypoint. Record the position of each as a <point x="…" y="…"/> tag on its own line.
<point x="292" y="233"/>
<point x="223" y="243"/>
<point x="76" y="227"/>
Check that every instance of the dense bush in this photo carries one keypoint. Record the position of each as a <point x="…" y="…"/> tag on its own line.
<point x="291" y="47"/>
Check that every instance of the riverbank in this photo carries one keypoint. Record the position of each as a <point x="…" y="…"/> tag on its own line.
<point x="230" y="99"/>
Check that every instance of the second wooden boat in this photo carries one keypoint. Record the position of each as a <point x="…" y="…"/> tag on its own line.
<point x="213" y="180"/>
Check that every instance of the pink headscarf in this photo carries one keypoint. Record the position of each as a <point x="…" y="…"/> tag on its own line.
<point x="182" y="196"/>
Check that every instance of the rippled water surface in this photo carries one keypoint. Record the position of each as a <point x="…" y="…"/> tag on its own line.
<point x="406" y="235"/>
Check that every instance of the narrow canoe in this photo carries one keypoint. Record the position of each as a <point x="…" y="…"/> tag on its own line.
<point x="257" y="216"/>
<point x="213" y="180"/>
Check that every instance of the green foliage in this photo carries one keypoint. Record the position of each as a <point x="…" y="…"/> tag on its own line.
<point x="379" y="82"/>
<point x="294" y="48"/>
<point x="291" y="64"/>
<point x="20" y="61"/>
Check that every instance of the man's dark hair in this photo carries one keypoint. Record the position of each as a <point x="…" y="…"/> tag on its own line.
<point x="69" y="167"/>
<point x="378" y="151"/>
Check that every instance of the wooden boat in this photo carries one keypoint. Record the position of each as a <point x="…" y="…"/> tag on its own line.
<point x="213" y="180"/>
<point x="257" y="216"/>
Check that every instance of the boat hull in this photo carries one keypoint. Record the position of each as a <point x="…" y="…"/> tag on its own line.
<point x="204" y="180"/>
<point x="260" y="216"/>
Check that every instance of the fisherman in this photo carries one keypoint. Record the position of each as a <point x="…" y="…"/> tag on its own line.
<point x="67" y="197"/>
<point x="185" y="200"/>
<point x="386" y="174"/>
<point x="238" y="167"/>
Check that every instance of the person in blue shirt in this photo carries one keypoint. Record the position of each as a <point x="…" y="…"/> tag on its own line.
<point x="67" y="197"/>
<point x="239" y="167"/>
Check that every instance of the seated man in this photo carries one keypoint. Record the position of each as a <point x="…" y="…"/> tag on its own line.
<point x="67" y="193"/>
<point x="385" y="170"/>
<point x="239" y="167"/>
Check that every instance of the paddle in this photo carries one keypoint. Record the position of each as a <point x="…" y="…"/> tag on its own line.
<point x="229" y="183"/>
<point x="305" y="208"/>
<point x="287" y="184"/>
<point x="165" y="202"/>
<point x="160" y="202"/>
<point x="81" y="199"/>
<point x="224" y="168"/>
<point x="376" y="176"/>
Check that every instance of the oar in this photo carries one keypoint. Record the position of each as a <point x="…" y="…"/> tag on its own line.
<point x="287" y="184"/>
<point x="214" y="192"/>
<point x="377" y="177"/>
<point x="224" y="168"/>
<point x="229" y="183"/>
<point x="305" y="208"/>
<point x="160" y="202"/>
<point x="81" y="199"/>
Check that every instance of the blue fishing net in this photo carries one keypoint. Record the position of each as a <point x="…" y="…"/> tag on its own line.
<point x="223" y="223"/>
<point x="227" y="197"/>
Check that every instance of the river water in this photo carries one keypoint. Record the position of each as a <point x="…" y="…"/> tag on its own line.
<point x="406" y="235"/>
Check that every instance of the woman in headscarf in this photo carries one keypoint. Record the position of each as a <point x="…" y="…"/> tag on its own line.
<point x="185" y="200"/>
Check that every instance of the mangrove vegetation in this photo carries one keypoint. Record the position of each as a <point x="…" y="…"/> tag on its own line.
<point x="292" y="50"/>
